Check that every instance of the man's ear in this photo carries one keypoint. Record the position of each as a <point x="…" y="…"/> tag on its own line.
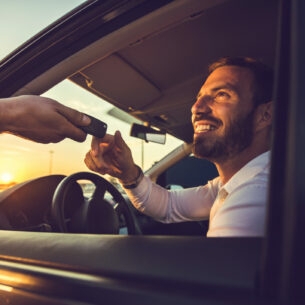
<point x="264" y="115"/>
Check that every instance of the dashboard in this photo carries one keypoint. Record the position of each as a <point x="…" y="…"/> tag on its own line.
<point x="27" y="206"/>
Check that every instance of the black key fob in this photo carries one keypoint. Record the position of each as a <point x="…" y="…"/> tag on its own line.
<point x="96" y="128"/>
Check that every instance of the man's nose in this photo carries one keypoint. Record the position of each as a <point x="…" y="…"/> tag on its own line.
<point x="202" y="104"/>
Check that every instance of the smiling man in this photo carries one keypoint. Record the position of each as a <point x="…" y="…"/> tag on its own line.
<point x="232" y="119"/>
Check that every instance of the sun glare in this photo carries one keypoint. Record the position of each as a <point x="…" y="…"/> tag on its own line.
<point x="6" y="177"/>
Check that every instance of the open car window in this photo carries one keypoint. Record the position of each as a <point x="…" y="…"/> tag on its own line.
<point x="141" y="40"/>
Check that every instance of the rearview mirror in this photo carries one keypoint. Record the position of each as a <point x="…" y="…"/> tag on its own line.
<point x="147" y="134"/>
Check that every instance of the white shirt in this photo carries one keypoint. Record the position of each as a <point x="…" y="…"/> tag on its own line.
<point x="237" y="208"/>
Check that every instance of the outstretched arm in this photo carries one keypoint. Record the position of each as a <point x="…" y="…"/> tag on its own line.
<point x="111" y="155"/>
<point x="41" y="119"/>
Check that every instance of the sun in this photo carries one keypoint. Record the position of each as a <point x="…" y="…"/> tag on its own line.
<point x="6" y="177"/>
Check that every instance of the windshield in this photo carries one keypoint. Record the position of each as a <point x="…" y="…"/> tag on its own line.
<point x="22" y="159"/>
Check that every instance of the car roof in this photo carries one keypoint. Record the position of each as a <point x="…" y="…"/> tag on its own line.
<point x="152" y="80"/>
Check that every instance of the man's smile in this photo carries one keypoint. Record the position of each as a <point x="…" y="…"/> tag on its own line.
<point x="204" y="128"/>
<point x="201" y="126"/>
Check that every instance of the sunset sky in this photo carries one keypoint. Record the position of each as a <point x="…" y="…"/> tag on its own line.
<point x="21" y="159"/>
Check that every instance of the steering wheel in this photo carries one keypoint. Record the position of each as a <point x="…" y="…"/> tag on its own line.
<point x="90" y="215"/>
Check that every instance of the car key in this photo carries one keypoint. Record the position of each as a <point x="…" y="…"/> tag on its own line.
<point x="96" y="128"/>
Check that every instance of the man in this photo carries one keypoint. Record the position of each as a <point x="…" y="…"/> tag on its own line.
<point x="41" y="119"/>
<point x="232" y="119"/>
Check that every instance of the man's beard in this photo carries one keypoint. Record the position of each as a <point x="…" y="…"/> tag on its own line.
<point x="237" y="137"/>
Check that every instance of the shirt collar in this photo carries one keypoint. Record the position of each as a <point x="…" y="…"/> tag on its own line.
<point x="247" y="172"/>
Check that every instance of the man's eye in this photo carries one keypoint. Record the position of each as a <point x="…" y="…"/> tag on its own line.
<point x="222" y="95"/>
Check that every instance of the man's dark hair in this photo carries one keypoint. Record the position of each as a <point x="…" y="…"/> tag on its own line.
<point x="263" y="76"/>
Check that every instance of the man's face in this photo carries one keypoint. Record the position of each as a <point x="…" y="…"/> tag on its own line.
<point x="222" y="116"/>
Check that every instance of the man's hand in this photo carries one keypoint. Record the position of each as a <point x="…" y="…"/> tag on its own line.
<point x="111" y="155"/>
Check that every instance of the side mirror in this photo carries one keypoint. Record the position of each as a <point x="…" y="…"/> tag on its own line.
<point x="147" y="134"/>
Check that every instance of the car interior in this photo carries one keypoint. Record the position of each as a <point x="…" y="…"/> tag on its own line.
<point x="142" y="69"/>
<point x="148" y="59"/>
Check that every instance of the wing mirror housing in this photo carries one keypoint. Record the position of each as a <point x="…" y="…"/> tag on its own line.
<point x="148" y="134"/>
